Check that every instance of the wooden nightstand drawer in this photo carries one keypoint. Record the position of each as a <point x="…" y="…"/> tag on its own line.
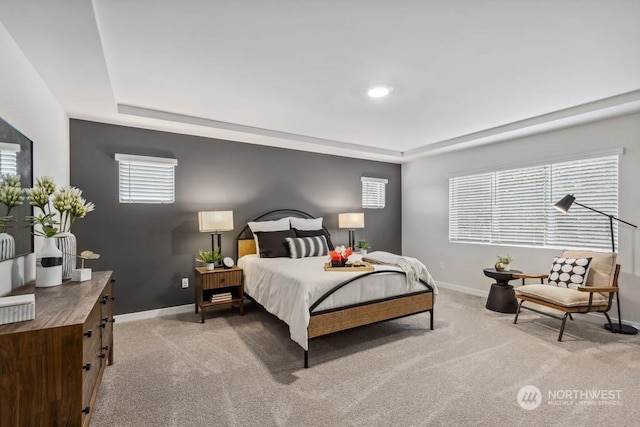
<point x="221" y="279"/>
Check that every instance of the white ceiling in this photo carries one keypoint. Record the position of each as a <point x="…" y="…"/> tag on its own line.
<point x="294" y="73"/>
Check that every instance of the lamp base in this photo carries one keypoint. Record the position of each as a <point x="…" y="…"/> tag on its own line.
<point x="621" y="329"/>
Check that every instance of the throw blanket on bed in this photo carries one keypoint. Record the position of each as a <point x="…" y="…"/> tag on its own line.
<point x="412" y="267"/>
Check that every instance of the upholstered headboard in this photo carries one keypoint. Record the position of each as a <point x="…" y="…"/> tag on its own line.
<point x="246" y="243"/>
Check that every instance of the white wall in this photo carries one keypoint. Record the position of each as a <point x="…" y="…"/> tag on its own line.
<point x="29" y="106"/>
<point x="425" y="198"/>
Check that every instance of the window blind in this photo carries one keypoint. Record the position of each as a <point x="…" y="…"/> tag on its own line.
<point x="145" y="179"/>
<point x="9" y="158"/>
<point x="515" y="207"/>
<point x="373" y="193"/>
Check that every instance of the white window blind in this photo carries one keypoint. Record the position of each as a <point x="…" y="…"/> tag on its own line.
<point x="515" y="207"/>
<point x="373" y="193"/>
<point x="9" y="158"/>
<point x="145" y="179"/>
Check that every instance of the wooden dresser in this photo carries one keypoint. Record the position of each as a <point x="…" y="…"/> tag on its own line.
<point x="51" y="367"/>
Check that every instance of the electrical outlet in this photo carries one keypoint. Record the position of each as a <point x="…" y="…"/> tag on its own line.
<point x="185" y="282"/>
<point x="441" y="265"/>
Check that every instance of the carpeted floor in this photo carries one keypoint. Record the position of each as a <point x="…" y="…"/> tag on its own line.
<point x="245" y="371"/>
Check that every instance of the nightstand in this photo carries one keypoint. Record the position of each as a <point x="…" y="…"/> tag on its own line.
<point x="222" y="287"/>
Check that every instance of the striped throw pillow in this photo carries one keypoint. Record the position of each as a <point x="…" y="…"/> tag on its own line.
<point x="300" y="247"/>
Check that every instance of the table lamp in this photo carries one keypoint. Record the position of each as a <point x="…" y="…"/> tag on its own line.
<point x="214" y="222"/>
<point x="351" y="221"/>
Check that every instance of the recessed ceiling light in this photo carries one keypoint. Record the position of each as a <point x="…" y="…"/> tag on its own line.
<point x="379" y="91"/>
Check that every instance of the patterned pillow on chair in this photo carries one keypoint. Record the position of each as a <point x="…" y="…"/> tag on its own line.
<point x="569" y="272"/>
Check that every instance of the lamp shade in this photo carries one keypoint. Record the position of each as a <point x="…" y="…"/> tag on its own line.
<point x="565" y="203"/>
<point x="351" y="220"/>
<point x="215" y="221"/>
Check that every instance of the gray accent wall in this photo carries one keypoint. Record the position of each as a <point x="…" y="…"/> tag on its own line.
<point x="151" y="247"/>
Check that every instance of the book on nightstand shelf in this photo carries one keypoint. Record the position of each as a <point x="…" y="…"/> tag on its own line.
<point x="221" y="297"/>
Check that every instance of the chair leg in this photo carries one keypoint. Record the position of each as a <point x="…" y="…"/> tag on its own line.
<point x="608" y="320"/>
<point x="564" y="321"/>
<point x="517" y="312"/>
<point x="570" y="316"/>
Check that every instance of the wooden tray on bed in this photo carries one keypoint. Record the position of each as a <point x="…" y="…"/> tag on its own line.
<point x="366" y="267"/>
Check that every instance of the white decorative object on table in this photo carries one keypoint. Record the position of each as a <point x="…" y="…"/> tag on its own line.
<point x="81" y="274"/>
<point x="7" y="246"/>
<point x="48" y="265"/>
<point x="17" y="308"/>
<point x="10" y="196"/>
<point x="66" y="242"/>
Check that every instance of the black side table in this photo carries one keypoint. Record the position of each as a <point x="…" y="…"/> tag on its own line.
<point x="502" y="297"/>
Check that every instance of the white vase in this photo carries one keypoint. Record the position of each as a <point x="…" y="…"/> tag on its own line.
<point x="7" y="246"/>
<point x="363" y="252"/>
<point x="66" y="242"/>
<point x="211" y="266"/>
<point x="506" y="267"/>
<point x="49" y="264"/>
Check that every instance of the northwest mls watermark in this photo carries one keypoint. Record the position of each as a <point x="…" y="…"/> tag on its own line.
<point x="530" y="397"/>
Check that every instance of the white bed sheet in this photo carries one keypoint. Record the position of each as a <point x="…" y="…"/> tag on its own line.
<point x="288" y="287"/>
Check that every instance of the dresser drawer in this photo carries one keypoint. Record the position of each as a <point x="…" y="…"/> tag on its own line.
<point x="221" y="279"/>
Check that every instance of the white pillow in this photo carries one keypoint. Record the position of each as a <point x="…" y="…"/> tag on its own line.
<point x="277" y="225"/>
<point x="306" y="223"/>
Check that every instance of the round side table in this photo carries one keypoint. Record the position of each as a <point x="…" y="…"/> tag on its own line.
<point x="502" y="297"/>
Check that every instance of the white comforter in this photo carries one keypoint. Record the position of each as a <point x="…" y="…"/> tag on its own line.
<point x="288" y="287"/>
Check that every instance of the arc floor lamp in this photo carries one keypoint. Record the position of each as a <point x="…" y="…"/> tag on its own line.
<point x="563" y="206"/>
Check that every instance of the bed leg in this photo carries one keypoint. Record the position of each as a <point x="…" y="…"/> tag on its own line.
<point x="431" y="318"/>
<point x="306" y="359"/>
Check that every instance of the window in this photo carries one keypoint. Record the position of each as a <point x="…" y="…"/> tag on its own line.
<point x="515" y="206"/>
<point x="145" y="179"/>
<point x="9" y="158"/>
<point x="373" y="193"/>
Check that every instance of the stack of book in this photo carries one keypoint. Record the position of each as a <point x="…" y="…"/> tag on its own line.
<point x="221" y="297"/>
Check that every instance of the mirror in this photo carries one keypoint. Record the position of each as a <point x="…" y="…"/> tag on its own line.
<point x="16" y="158"/>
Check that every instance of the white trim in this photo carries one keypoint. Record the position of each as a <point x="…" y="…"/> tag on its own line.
<point x="144" y="159"/>
<point x="368" y="179"/>
<point x="150" y="314"/>
<point x="463" y="289"/>
<point x="558" y="159"/>
<point x="10" y="147"/>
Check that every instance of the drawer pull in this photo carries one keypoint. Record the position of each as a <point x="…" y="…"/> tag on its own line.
<point x="105" y="348"/>
<point x="103" y="325"/>
<point x="102" y="355"/>
<point x="105" y="319"/>
<point x="87" y="367"/>
<point x="88" y="333"/>
<point x="86" y="410"/>
<point x="113" y="320"/>
<point x="113" y="298"/>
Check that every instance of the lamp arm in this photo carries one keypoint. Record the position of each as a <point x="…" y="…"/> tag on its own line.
<point x="605" y="214"/>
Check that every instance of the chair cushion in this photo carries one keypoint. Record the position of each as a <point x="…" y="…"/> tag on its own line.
<point x="602" y="268"/>
<point x="569" y="272"/>
<point x="565" y="297"/>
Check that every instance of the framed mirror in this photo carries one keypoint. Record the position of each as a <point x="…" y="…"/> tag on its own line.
<point x="16" y="158"/>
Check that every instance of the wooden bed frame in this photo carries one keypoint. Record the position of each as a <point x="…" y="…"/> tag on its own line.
<point x="342" y="318"/>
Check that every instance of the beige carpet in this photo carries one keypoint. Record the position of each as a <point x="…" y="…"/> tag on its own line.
<point x="245" y="371"/>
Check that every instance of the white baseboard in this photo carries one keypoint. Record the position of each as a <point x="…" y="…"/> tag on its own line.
<point x="590" y="317"/>
<point x="149" y="314"/>
<point x="463" y="289"/>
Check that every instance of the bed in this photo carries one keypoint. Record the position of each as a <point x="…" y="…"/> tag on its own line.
<point x="314" y="302"/>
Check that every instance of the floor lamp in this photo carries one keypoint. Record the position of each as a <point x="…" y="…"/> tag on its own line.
<point x="214" y="222"/>
<point x="563" y="206"/>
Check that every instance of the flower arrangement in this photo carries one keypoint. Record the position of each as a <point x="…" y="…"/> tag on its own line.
<point x="339" y="256"/>
<point x="67" y="201"/>
<point x="10" y="196"/>
<point x="209" y="257"/>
